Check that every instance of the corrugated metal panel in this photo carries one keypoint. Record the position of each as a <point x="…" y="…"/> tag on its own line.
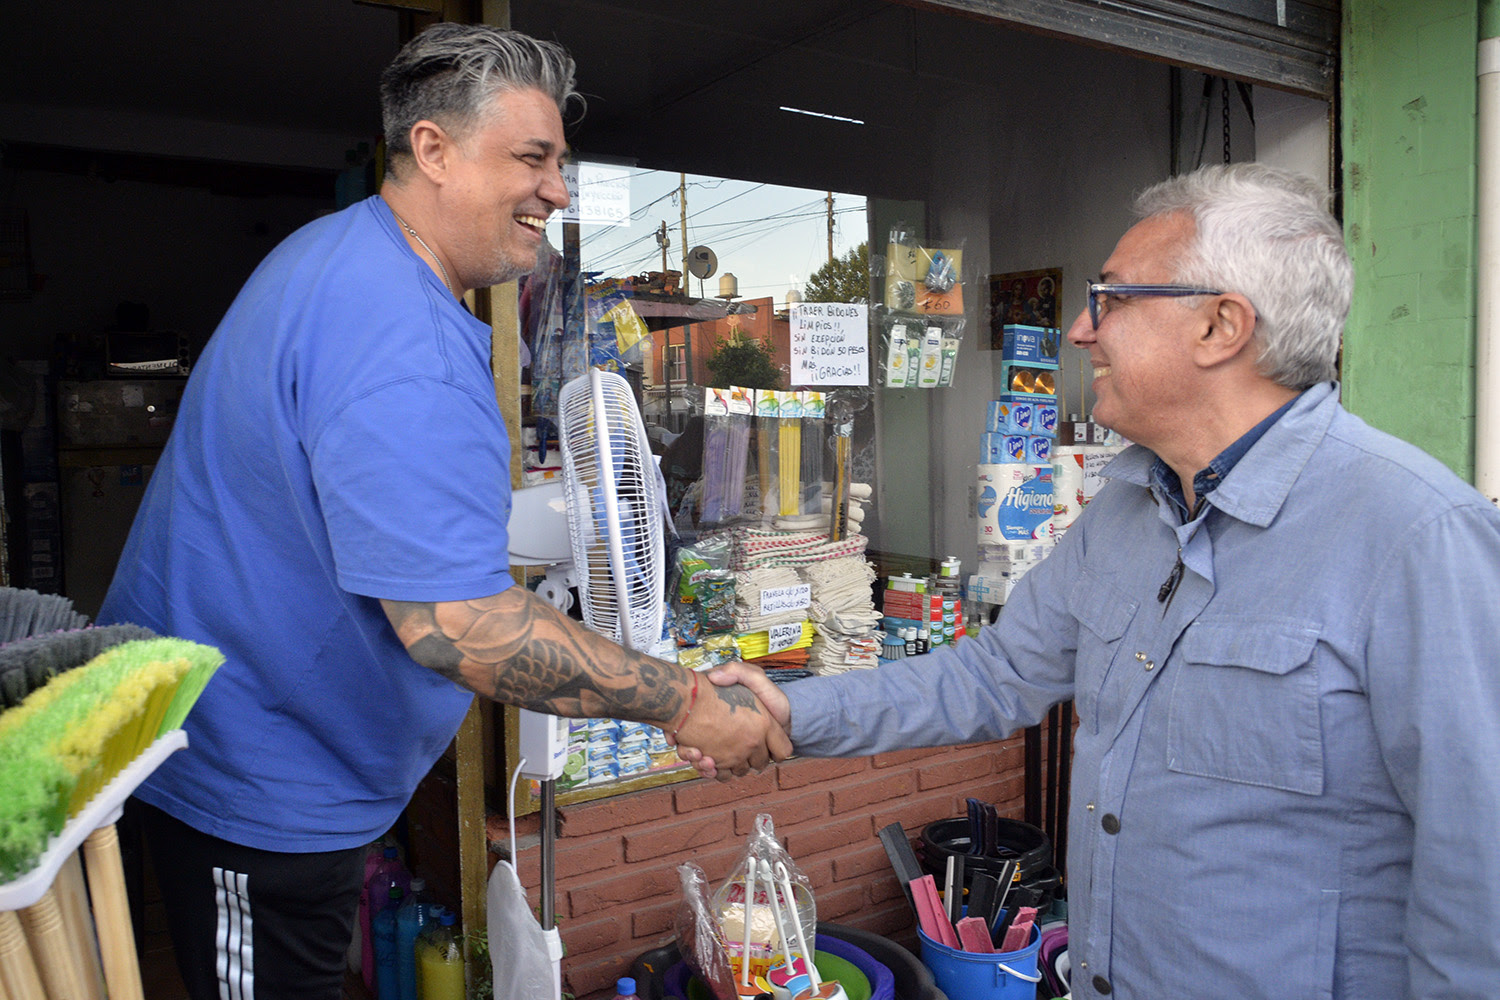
<point x="1290" y="44"/>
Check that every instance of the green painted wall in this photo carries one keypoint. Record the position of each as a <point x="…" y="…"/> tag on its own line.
<point x="1407" y="111"/>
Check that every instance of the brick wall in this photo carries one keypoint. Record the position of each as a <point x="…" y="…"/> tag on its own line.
<point x="616" y="880"/>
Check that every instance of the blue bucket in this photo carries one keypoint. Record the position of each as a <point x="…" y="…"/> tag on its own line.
<point x="1009" y="975"/>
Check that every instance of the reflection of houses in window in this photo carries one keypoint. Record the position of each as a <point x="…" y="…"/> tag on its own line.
<point x="677" y="363"/>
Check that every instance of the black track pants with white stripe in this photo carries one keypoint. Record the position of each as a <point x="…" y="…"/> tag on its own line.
<point x="248" y="924"/>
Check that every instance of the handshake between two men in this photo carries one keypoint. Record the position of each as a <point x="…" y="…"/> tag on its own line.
<point x="738" y="724"/>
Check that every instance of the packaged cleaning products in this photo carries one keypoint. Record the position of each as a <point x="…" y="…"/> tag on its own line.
<point x="897" y="368"/>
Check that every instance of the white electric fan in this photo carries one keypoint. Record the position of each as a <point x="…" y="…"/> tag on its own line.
<point x="615" y="511"/>
<point x="615" y="508"/>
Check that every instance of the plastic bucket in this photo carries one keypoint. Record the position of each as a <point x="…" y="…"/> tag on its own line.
<point x="1009" y="975"/>
<point x="1021" y="842"/>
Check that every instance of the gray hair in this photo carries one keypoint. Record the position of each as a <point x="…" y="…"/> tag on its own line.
<point x="449" y="73"/>
<point x="1267" y="234"/>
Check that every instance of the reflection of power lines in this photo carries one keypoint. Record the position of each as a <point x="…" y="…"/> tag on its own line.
<point x="821" y="213"/>
<point x="606" y="257"/>
<point x="640" y="212"/>
<point x="620" y="260"/>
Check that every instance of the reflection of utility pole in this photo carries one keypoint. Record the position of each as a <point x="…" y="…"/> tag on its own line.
<point x="664" y="241"/>
<point x="687" y="331"/>
<point x="682" y="201"/>
<point x="830" y="227"/>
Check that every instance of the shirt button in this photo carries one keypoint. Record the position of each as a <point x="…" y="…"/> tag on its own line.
<point x="1089" y="807"/>
<point x="1111" y="823"/>
<point x="1150" y="664"/>
<point x="1101" y="985"/>
<point x="1140" y="655"/>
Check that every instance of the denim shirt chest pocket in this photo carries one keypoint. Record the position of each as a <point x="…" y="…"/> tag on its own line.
<point x="1244" y="704"/>
<point x="1105" y="614"/>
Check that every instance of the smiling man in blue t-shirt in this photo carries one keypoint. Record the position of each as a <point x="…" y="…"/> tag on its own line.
<point x="331" y="512"/>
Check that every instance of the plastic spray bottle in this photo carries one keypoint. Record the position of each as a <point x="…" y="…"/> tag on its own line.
<point x="440" y="960"/>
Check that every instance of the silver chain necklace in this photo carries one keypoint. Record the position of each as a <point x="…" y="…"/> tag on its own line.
<point x="435" y="259"/>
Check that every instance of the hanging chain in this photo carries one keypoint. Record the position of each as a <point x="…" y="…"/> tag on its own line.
<point x="1226" y="121"/>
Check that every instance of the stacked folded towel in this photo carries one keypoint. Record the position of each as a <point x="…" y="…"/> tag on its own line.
<point x="843" y="615"/>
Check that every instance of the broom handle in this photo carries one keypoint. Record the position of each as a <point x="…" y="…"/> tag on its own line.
<point x="49" y="946"/>
<point x="18" y="976"/>
<point x="78" y="923"/>
<point x="101" y="852"/>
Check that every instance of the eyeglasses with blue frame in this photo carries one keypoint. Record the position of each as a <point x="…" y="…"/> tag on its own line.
<point x="1101" y="288"/>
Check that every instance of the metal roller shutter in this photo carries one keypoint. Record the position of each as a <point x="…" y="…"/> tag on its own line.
<point x="1289" y="44"/>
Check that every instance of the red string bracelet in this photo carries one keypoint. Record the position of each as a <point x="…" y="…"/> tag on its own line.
<point x="692" y="700"/>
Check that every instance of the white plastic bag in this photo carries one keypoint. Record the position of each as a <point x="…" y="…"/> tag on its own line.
<point x="522" y="954"/>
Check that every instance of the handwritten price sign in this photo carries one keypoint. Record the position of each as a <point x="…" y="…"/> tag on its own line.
<point x="785" y="636"/>
<point x="775" y="600"/>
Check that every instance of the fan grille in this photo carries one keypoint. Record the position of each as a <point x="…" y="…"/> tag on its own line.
<point x="606" y="455"/>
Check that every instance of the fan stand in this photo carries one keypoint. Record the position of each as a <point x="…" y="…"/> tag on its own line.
<point x="549" y="879"/>
<point x="555" y="587"/>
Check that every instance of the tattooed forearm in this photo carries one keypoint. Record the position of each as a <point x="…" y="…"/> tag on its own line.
<point x="516" y="648"/>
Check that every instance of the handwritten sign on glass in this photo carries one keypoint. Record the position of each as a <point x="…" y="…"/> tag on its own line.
<point x="830" y="344"/>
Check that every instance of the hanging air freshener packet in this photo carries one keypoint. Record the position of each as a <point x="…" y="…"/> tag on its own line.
<point x="918" y="352"/>
<point x="788" y="453"/>
<point x="898" y="332"/>
<point x="727" y="415"/>
<point x="768" y="450"/>
<point x="729" y="906"/>
<point x="814" y="441"/>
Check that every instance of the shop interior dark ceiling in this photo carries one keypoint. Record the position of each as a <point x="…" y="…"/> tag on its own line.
<point x="676" y="84"/>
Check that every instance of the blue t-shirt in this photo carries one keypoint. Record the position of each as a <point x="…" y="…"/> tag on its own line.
<point x="339" y="442"/>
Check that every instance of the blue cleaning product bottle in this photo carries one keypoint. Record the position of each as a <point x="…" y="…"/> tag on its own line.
<point x="416" y="910"/>
<point x="388" y="871"/>
<point x="383" y="934"/>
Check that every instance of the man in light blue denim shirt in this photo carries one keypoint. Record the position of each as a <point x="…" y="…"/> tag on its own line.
<point x="1279" y="627"/>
